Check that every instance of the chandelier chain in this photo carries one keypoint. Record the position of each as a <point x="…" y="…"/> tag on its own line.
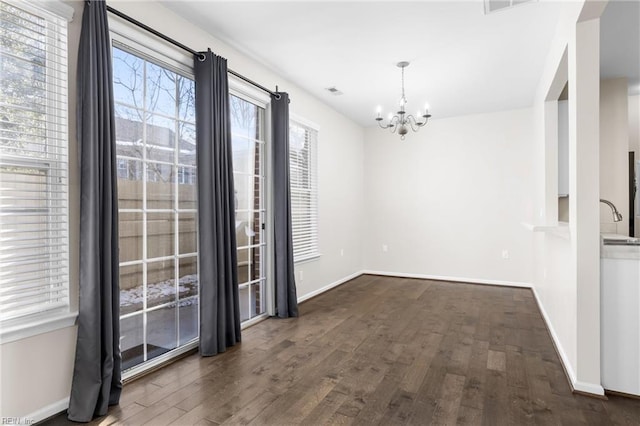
<point x="403" y="96"/>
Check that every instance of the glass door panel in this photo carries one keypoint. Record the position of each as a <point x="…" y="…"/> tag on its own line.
<point x="155" y="143"/>
<point x="247" y="120"/>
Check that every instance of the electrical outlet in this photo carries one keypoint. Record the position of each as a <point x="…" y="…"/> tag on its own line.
<point x="341" y="252"/>
<point x="301" y="275"/>
<point x="385" y="248"/>
<point x="505" y="254"/>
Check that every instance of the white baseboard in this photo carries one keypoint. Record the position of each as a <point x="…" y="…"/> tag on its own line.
<point x="447" y="278"/>
<point x="556" y="341"/>
<point x="588" y="388"/>
<point x="48" y="411"/>
<point x="329" y="286"/>
<point x="576" y="385"/>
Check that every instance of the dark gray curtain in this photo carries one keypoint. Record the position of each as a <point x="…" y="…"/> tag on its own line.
<point x="285" y="283"/>
<point x="96" y="376"/>
<point x="219" y="304"/>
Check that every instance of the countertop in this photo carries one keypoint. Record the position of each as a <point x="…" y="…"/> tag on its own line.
<point x="628" y="248"/>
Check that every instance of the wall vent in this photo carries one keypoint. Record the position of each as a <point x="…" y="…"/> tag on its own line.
<point x="496" y="5"/>
<point x="333" y="91"/>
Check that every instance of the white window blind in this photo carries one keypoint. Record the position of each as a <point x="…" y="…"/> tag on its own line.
<point x="303" y="141"/>
<point x="33" y="161"/>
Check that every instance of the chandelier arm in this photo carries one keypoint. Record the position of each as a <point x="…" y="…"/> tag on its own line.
<point x="393" y="124"/>
<point x="415" y="125"/>
<point x="426" y="120"/>
<point x="385" y="126"/>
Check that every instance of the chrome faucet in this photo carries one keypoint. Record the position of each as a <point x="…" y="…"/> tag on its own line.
<point x="617" y="217"/>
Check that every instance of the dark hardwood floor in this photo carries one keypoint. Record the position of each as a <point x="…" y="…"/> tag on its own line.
<point x="379" y="350"/>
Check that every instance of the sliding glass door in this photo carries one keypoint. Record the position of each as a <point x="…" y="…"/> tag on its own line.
<point x="247" y="128"/>
<point x="155" y="140"/>
<point x="157" y="201"/>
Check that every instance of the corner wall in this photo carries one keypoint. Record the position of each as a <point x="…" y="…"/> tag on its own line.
<point x="449" y="201"/>
<point x="567" y="258"/>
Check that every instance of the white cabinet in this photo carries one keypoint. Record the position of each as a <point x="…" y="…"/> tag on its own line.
<point x="620" y="317"/>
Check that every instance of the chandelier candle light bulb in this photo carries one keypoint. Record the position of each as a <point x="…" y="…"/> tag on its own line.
<point x="402" y="121"/>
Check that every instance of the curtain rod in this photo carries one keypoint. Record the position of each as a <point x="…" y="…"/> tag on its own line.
<point x="183" y="47"/>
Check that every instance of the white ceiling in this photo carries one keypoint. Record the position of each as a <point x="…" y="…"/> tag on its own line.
<point x="462" y="61"/>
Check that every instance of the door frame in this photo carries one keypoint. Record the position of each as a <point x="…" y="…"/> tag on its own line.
<point x="243" y="90"/>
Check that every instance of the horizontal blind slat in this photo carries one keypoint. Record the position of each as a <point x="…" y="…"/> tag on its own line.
<point x="33" y="161"/>
<point x="303" y="188"/>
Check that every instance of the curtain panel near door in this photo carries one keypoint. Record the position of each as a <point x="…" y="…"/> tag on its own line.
<point x="285" y="284"/>
<point x="219" y="300"/>
<point x="96" y="377"/>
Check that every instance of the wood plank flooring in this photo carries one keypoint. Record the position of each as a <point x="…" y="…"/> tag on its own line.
<point x="379" y="350"/>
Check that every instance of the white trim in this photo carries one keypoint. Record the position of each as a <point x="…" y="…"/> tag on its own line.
<point x="447" y="278"/>
<point x="154" y="362"/>
<point x="576" y="385"/>
<point x="308" y="259"/>
<point x="57" y="7"/>
<point x="556" y="341"/>
<point x="588" y="388"/>
<point x="270" y="294"/>
<point x="329" y="286"/>
<point x="305" y="122"/>
<point x="37" y="325"/>
<point x="561" y="229"/>
<point x="54" y="7"/>
<point x="253" y="321"/>
<point x="248" y="92"/>
<point x="48" y="411"/>
<point x="130" y="38"/>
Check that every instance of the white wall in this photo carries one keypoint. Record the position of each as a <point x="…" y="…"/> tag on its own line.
<point x="341" y="205"/>
<point x="566" y="270"/>
<point x="614" y="154"/>
<point x="340" y="209"/>
<point x="449" y="199"/>
<point x="36" y="374"/>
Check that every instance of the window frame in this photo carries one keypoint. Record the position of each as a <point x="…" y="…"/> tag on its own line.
<point x="60" y="316"/>
<point x="302" y="122"/>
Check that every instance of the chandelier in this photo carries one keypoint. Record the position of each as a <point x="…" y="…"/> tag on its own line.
<point x="401" y="122"/>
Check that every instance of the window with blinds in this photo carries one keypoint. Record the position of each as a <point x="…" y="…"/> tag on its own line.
<point x="303" y="141"/>
<point x="33" y="161"/>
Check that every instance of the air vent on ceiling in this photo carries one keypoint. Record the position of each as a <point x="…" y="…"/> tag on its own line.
<point x="333" y="91"/>
<point x="496" y="5"/>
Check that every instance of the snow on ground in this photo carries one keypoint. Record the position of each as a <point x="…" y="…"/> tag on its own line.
<point x="161" y="292"/>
